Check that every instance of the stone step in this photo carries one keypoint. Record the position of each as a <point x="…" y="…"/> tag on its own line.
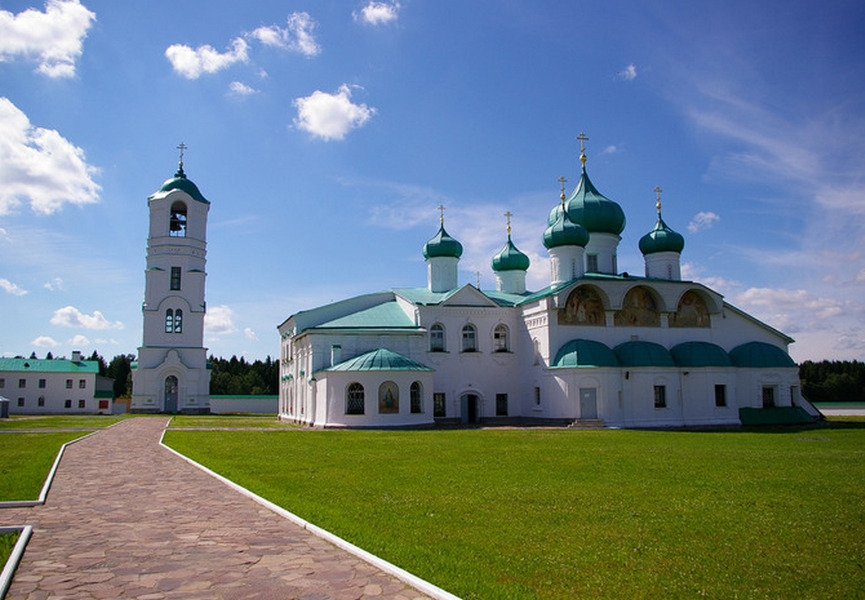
<point x="587" y="424"/>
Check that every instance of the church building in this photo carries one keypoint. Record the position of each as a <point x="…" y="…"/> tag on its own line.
<point x="595" y="346"/>
<point x="171" y="373"/>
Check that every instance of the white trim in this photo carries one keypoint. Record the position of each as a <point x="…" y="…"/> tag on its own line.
<point x="14" y="557"/>
<point x="416" y="582"/>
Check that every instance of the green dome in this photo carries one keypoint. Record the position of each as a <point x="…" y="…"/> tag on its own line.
<point x="564" y="232"/>
<point x="584" y="353"/>
<point x="589" y="208"/>
<point x="643" y="354"/>
<point x="760" y="355"/>
<point x="510" y="259"/>
<point x="661" y="239"/>
<point x="700" y="354"/>
<point x="442" y="245"/>
<point x="180" y="182"/>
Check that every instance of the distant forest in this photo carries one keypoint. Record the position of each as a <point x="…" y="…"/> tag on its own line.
<point x="825" y="381"/>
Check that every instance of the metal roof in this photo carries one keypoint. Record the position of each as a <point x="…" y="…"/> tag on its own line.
<point x="48" y="365"/>
<point x="584" y="353"/>
<point x="380" y="359"/>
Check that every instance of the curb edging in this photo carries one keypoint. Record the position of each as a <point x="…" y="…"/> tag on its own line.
<point x="15" y="557"/>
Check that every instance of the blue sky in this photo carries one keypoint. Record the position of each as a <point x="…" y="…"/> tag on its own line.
<point x="326" y="133"/>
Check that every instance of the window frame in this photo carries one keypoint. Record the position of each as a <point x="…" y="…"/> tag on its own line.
<point x="415" y="393"/>
<point x="720" y="394"/>
<point x="359" y="392"/>
<point x="501" y="338"/>
<point x="660" y="393"/>
<point x="174" y="282"/>
<point x="437" y="338"/>
<point x="469" y="338"/>
<point x="439" y="404"/>
<point x="501" y="405"/>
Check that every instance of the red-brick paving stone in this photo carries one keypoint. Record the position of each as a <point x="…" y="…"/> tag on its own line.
<point x="125" y="518"/>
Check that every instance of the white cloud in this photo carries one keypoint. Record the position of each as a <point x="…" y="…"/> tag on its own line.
<point x="860" y="277"/>
<point x="377" y="13"/>
<point x="43" y="341"/>
<point x="796" y="310"/>
<point x="611" y="149"/>
<point x="55" y="285"/>
<point x="205" y="59"/>
<point x="40" y="165"/>
<point x="702" y="220"/>
<point x="249" y="333"/>
<point x="54" y="38"/>
<point x="297" y="37"/>
<point x="331" y="116"/>
<point x="241" y="89"/>
<point x="11" y="288"/>
<point x="103" y="341"/>
<point x="629" y="73"/>
<point x="219" y="320"/>
<point x="69" y="316"/>
<point x="78" y="341"/>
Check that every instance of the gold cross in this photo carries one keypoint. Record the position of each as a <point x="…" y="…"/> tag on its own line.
<point x="658" y="191"/>
<point x="583" y="139"/>
<point x="562" y="181"/>
<point x="182" y="147"/>
<point x="442" y="211"/>
<point x="509" y="215"/>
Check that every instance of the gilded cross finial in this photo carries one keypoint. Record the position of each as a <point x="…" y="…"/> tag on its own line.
<point x="658" y="191"/>
<point x="442" y="215"/>
<point x="562" y="181"/>
<point x="182" y="147"/>
<point x="509" y="215"/>
<point x="583" y="139"/>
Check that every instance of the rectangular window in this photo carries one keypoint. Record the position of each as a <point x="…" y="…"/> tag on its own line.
<point x="720" y="395"/>
<point x="660" y="396"/>
<point x="591" y="263"/>
<point x="22" y="383"/>
<point x="81" y="404"/>
<point x="67" y="404"/>
<point x="2" y="383"/>
<point x="82" y="383"/>
<point x="768" y="397"/>
<point x="175" y="278"/>
<point x="68" y="384"/>
<point x="537" y="396"/>
<point x="42" y="384"/>
<point x="20" y="401"/>
<point x="41" y="401"/>
<point x="439" y="404"/>
<point x="501" y="405"/>
<point x="103" y="405"/>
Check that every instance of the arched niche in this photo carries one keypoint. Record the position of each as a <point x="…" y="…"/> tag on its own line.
<point x="585" y="306"/>
<point x="639" y="309"/>
<point x="692" y="311"/>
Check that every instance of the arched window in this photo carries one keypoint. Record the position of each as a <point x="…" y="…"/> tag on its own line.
<point x="354" y="399"/>
<point x="169" y="321"/>
<point x="437" y="338"/>
<point x="178" y="321"/>
<point x="177" y="223"/>
<point x="388" y="398"/>
<point x="500" y="338"/>
<point x="470" y="338"/>
<point x="416" y="397"/>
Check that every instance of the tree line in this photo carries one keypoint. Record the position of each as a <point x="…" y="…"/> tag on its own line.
<point x="833" y="381"/>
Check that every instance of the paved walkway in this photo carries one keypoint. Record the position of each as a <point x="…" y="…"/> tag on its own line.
<point x="126" y="518"/>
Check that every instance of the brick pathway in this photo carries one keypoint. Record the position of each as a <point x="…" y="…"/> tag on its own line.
<point x="126" y="518"/>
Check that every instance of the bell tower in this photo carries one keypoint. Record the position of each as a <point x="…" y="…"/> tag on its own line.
<point x="171" y="372"/>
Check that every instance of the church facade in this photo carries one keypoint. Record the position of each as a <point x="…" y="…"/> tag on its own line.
<point x="171" y="373"/>
<point x="596" y="345"/>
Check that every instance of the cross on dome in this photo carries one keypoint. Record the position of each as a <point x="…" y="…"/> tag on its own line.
<point x="583" y="139"/>
<point x="658" y="191"/>
<point x="562" y="181"/>
<point x="509" y="215"/>
<point x="441" y="208"/>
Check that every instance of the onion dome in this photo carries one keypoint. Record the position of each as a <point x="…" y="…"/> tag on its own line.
<point x="563" y="231"/>
<point x="442" y="245"/>
<point x="661" y="238"/>
<point x="510" y="259"/>
<point x="180" y="182"/>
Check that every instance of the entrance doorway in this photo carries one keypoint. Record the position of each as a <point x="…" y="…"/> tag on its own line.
<point x="588" y="403"/>
<point x="171" y="394"/>
<point x="469" y="412"/>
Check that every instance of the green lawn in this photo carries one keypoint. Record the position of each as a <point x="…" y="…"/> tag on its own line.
<point x="232" y="421"/>
<point x="7" y="543"/>
<point x="778" y="513"/>
<point x="61" y="421"/>
<point x="25" y="459"/>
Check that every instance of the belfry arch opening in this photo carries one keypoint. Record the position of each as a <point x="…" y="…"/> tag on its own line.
<point x="177" y="222"/>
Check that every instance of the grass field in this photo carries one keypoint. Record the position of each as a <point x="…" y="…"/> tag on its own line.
<point x="61" y="421"/>
<point x="230" y="421"/>
<point x="7" y="543"/>
<point x="778" y="513"/>
<point x="25" y="459"/>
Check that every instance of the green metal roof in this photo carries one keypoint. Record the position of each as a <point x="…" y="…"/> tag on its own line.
<point x="442" y="245"/>
<point x="564" y="232"/>
<point x="643" y="354"/>
<point x="180" y="182"/>
<point x="42" y="365"/>
<point x="700" y="354"/>
<point x="380" y="359"/>
<point x="386" y="315"/>
<point x="661" y="239"/>
<point x="760" y="355"/>
<point x="510" y="258"/>
<point x="584" y="353"/>
<point x="591" y="209"/>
